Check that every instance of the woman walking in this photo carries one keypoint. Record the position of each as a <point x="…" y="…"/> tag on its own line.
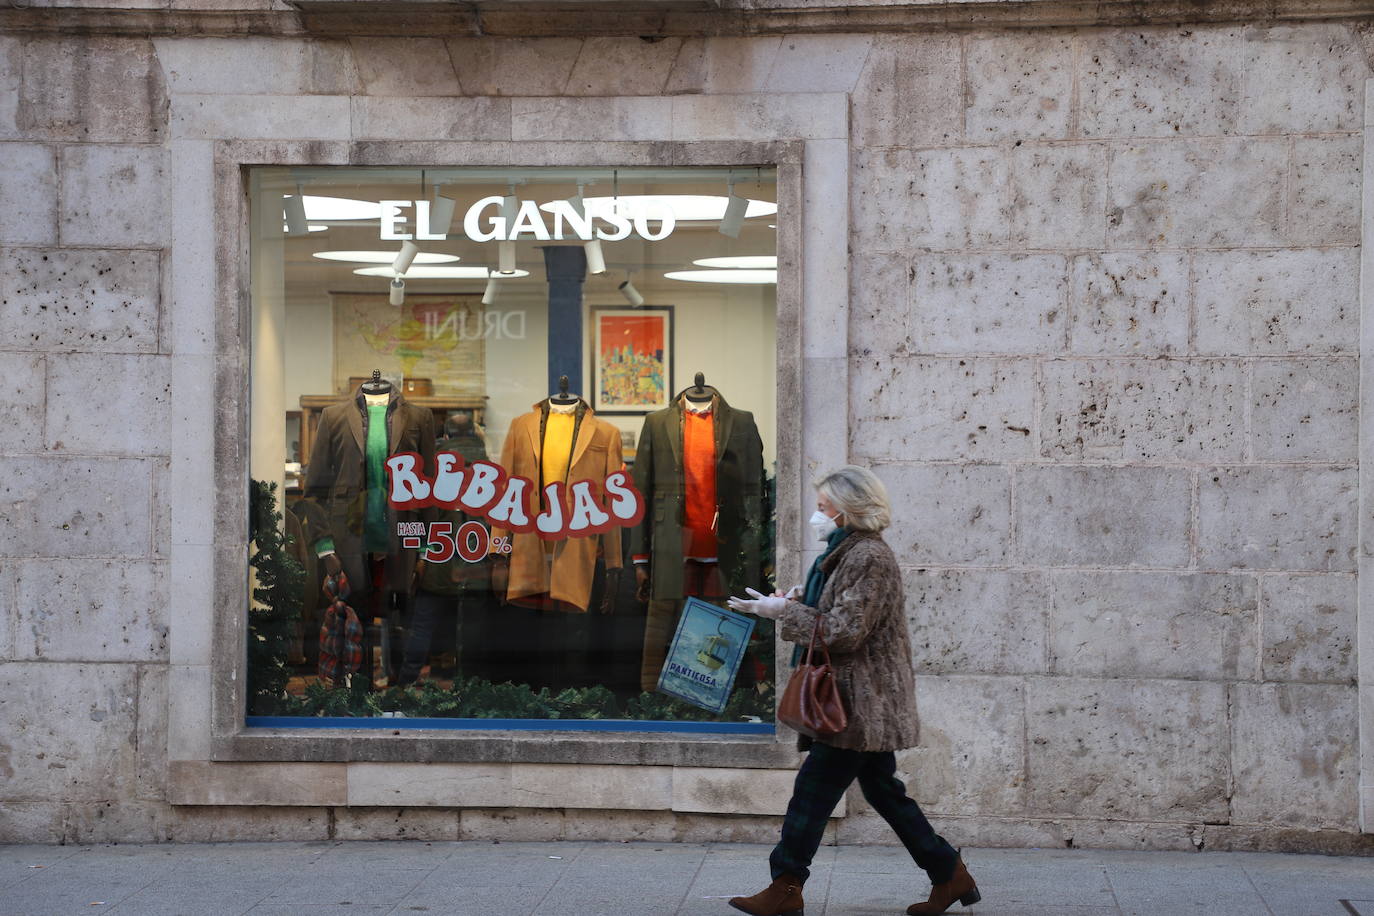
<point x="856" y="588"/>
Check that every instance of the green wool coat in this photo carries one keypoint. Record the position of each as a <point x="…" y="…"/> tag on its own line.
<point x="658" y="475"/>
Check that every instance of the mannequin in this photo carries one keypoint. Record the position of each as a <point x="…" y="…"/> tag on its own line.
<point x="559" y="441"/>
<point x="453" y="599"/>
<point x="700" y="463"/>
<point x="347" y="479"/>
<point x="546" y="635"/>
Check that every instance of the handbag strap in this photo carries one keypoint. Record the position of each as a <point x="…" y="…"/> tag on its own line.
<point x="815" y="640"/>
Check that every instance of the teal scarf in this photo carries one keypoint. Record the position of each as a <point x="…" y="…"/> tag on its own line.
<point x="815" y="579"/>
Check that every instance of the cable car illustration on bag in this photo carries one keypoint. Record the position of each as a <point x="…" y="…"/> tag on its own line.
<point x="715" y="649"/>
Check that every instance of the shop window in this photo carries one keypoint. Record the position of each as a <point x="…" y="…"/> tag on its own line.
<point x="507" y="424"/>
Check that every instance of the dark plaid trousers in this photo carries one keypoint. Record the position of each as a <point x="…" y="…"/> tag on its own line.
<point x="824" y="775"/>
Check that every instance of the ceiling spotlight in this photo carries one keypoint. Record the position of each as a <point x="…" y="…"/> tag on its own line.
<point x="577" y="202"/>
<point x="733" y="220"/>
<point x="440" y="214"/>
<point x="296" y="223"/>
<point x="747" y="261"/>
<point x="596" y="261"/>
<point x="632" y="296"/>
<point x="405" y="257"/>
<point x="398" y="291"/>
<point x="383" y="257"/>
<point x="756" y="277"/>
<point x="489" y="294"/>
<point x="505" y="258"/>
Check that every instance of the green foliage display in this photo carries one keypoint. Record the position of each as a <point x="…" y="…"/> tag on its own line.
<point x="276" y="604"/>
<point x="276" y="608"/>
<point x="478" y="698"/>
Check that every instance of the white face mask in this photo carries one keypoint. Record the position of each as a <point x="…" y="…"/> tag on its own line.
<point x="822" y="524"/>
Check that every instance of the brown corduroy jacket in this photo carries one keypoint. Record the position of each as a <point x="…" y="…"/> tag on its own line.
<point x="864" y="626"/>
<point x="336" y="480"/>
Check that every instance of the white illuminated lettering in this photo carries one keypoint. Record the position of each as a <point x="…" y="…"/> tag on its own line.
<point x="472" y="228"/>
<point x="623" y="218"/>
<point x="422" y="223"/>
<point x="564" y="212"/>
<point x="393" y="218"/>
<point x="530" y="220"/>
<point x="667" y="220"/>
<point x="617" y="219"/>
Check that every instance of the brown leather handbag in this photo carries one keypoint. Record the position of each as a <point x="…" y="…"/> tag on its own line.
<point x="811" y="703"/>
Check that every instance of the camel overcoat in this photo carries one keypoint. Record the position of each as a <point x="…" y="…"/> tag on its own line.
<point x="595" y="454"/>
<point x="864" y="625"/>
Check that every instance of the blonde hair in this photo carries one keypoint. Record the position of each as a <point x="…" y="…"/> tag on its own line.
<point x="860" y="495"/>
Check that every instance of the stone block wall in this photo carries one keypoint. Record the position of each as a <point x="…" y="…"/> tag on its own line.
<point x="1104" y="352"/>
<point x="1102" y="345"/>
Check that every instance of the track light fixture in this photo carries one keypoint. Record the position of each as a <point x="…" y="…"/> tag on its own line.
<point x="632" y="296"/>
<point x="596" y="261"/>
<point x="405" y="257"/>
<point x="489" y="294"/>
<point x="505" y="257"/>
<point x="295" y="214"/>
<point x="733" y="220"/>
<point x="578" y="202"/>
<point x="398" y="291"/>
<point x="440" y="214"/>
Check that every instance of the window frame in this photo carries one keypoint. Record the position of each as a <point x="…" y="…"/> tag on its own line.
<point x="231" y="739"/>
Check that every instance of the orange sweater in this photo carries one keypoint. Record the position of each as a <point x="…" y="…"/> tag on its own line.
<point x="699" y="468"/>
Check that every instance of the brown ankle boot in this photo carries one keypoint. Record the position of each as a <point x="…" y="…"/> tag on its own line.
<point x="960" y="886"/>
<point x="781" y="898"/>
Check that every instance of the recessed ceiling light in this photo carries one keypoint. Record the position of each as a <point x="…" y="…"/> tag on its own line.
<point x="340" y="209"/>
<point x="746" y="261"/>
<point x="437" y="273"/>
<point x="685" y="207"/>
<point x="383" y="257"/>
<point x="286" y="228"/>
<point x="760" y="277"/>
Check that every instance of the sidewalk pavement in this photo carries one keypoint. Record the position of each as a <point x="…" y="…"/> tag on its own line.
<point x="646" y="879"/>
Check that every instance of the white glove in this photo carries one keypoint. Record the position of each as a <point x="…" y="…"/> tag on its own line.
<point x="794" y="593"/>
<point x="769" y="606"/>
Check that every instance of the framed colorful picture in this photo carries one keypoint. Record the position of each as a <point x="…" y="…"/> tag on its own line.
<point x="632" y="359"/>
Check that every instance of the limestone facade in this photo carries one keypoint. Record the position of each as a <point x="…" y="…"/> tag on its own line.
<point x="1087" y="296"/>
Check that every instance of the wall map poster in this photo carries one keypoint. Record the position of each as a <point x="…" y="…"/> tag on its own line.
<point x="435" y="337"/>
<point x="705" y="655"/>
<point x="632" y="359"/>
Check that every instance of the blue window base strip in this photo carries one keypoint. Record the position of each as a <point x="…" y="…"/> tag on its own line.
<point x="545" y="725"/>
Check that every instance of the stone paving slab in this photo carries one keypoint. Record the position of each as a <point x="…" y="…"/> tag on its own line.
<point x="601" y="879"/>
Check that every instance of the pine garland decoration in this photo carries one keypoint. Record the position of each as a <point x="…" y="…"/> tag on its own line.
<point x="276" y="605"/>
